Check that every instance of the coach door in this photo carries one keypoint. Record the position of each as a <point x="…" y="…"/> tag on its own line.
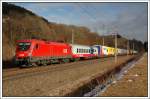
<point x="92" y="50"/>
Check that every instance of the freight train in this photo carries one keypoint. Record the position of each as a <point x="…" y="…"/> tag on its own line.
<point x="34" y="52"/>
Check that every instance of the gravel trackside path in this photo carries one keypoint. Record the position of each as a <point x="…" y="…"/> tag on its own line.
<point x="42" y="82"/>
<point x="133" y="83"/>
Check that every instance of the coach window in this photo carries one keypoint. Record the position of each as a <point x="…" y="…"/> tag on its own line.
<point x="77" y="50"/>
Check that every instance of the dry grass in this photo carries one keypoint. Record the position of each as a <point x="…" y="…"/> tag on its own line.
<point x="51" y="83"/>
<point x="134" y="83"/>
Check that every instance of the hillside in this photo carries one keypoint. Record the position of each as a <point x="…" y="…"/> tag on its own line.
<point x="19" y="23"/>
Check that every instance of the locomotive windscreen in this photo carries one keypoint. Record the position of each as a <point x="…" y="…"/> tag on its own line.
<point x="23" y="46"/>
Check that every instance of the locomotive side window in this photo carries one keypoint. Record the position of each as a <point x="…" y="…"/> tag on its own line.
<point x="36" y="46"/>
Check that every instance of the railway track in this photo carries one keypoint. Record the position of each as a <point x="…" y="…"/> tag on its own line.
<point x="17" y="73"/>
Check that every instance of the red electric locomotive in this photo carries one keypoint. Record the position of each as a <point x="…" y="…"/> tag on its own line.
<point x="36" y="52"/>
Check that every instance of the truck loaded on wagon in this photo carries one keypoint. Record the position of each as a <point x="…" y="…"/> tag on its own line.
<point x="34" y="52"/>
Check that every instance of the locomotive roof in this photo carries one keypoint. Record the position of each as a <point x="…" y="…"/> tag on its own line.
<point x="41" y="41"/>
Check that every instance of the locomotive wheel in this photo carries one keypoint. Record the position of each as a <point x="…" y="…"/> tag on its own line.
<point x="48" y="62"/>
<point x="66" y="60"/>
<point x="34" y="64"/>
<point x="44" y="62"/>
<point x="76" y="59"/>
<point x="61" y="61"/>
<point x="39" y="63"/>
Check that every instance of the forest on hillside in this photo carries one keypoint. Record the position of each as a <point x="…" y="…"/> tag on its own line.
<point x="19" y="23"/>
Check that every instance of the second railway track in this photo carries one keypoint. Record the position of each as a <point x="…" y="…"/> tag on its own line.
<point x="21" y="73"/>
<point x="17" y="73"/>
<point x="44" y="79"/>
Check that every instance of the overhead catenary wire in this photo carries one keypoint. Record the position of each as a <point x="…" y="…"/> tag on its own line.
<point x="86" y="12"/>
<point x="94" y="18"/>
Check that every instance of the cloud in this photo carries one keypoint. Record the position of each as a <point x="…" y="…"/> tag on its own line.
<point x="126" y="18"/>
<point x="130" y="21"/>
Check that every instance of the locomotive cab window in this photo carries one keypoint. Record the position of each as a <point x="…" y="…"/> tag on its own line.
<point x="23" y="46"/>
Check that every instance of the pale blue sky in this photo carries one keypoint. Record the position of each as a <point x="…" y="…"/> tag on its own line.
<point x="128" y="19"/>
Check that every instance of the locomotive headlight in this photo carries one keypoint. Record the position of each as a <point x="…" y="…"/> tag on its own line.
<point x="21" y="55"/>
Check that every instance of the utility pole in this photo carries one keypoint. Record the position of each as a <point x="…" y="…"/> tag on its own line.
<point x="127" y="44"/>
<point x="133" y="47"/>
<point x="103" y="34"/>
<point x="72" y="37"/>
<point x="103" y="40"/>
<point x="127" y="47"/>
<point x="96" y="36"/>
<point x="116" y="48"/>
